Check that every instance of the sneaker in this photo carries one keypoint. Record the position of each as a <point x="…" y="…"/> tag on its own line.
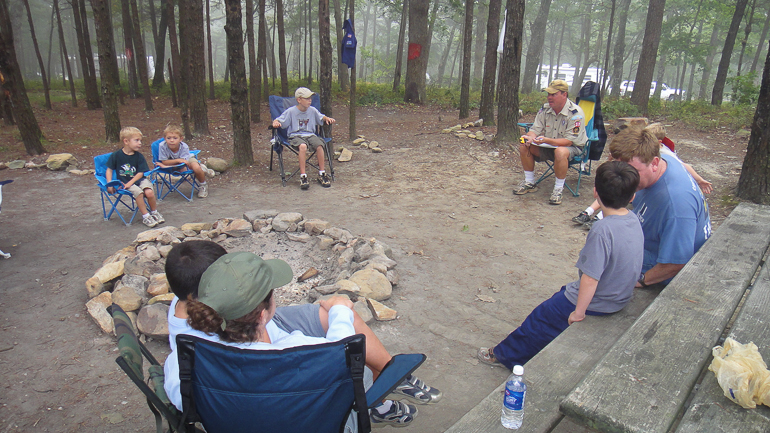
<point x="303" y="182"/>
<point x="209" y="172"/>
<point x="149" y="221"/>
<point x="324" y="180"/>
<point x="582" y="218"/>
<point x="416" y="391"/>
<point x="525" y="187"/>
<point x="399" y="415"/>
<point x="158" y="217"/>
<point x="588" y="224"/>
<point x="486" y="356"/>
<point x="556" y="196"/>
<point x="203" y="190"/>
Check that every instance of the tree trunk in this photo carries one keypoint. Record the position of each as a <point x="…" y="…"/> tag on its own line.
<point x="254" y="77"/>
<point x="177" y="72"/>
<point x="108" y="69"/>
<point x="465" y="81"/>
<point x="417" y="62"/>
<point x="239" y="97"/>
<point x="50" y="45"/>
<point x="754" y="183"/>
<point x="84" y="48"/>
<point x="607" y="52"/>
<point x="708" y="64"/>
<point x="486" y="108"/>
<point x="210" y="53"/>
<point x="724" y="64"/>
<point x="478" y="45"/>
<point x="282" y="48"/>
<point x="342" y="69"/>
<point x="14" y="84"/>
<point x="141" y="58"/>
<point x="172" y="86"/>
<point x="746" y="33"/>
<point x="73" y="95"/>
<point x="535" y="48"/>
<point x="39" y="57"/>
<point x="510" y="69"/>
<point x="128" y="49"/>
<point x="620" y="48"/>
<point x="352" y="134"/>
<point x="652" y="30"/>
<point x="192" y="39"/>
<point x="262" y="51"/>
<point x="400" y="47"/>
<point x="759" y="48"/>
<point x="158" y="80"/>
<point x="445" y="56"/>
<point x="325" y="50"/>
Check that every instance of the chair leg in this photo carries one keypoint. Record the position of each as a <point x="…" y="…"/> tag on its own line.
<point x="283" y="171"/>
<point x="329" y="158"/>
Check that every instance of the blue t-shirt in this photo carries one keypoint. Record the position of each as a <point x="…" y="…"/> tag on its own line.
<point x="674" y="216"/>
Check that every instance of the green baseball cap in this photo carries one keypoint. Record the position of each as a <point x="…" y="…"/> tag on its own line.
<point x="236" y="283"/>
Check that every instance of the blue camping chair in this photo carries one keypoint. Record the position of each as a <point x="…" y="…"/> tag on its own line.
<point x="296" y="390"/>
<point x="4" y="182"/>
<point x="280" y="140"/>
<point x="121" y="198"/>
<point x="169" y="179"/>
<point x="589" y="99"/>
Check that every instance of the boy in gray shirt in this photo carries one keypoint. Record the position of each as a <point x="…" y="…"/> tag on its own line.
<point x="608" y="267"/>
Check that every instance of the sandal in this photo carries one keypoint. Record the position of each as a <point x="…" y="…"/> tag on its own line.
<point x="487" y="356"/>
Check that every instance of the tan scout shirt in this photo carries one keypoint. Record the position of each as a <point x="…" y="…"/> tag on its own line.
<point x="569" y="123"/>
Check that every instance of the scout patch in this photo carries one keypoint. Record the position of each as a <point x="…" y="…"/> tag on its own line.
<point x="576" y="129"/>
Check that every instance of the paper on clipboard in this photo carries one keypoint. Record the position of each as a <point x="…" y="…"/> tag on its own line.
<point x="544" y="145"/>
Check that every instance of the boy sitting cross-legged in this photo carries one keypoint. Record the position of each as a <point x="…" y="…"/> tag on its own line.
<point x="185" y="265"/>
<point x="609" y="266"/>
<point x="300" y="122"/>
<point x="173" y="151"/>
<point x="129" y="166"/>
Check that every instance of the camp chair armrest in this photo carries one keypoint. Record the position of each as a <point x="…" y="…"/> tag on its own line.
<point x="399" y="367"/>
<point x="113" y="184"/>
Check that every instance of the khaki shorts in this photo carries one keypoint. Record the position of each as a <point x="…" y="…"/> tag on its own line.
<point x="547" y="153"/>
<point x="312" y="141"/>
<point x="139" y="190"/>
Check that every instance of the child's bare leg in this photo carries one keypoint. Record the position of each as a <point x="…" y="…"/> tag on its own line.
<point x="150" y="196"/>
<point x="200" y="176"/>
<point x="320" y="154"/>
<point x="302" y="157"/>
<point x="376" y="354"/>
<point x="140" y="202"/>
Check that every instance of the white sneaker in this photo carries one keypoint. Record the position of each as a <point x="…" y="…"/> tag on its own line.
<point x="149" y="221"/>
<point x="556" y="196"/>
<point x="209" y="172"/>
<point x="158" y="217"/>
<point x="203" y="190"/>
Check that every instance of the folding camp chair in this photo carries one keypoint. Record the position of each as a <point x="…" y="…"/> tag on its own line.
<point x="300" y="389"/>
<point x="121" y="197"/>
<point x="131" y="361"/>
<point x="589" y="99"/>
<point x="280" y="140"/>
<point x="169" y="179"/>
<point x="4" y="182"/>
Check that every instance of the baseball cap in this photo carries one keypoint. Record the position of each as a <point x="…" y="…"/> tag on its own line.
<point x="557" y="86"/>
<point x="236" y="283"/>
<point x="303" y="92"/>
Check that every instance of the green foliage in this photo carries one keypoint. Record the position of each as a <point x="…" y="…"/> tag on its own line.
<point x="745" y="92"/>
<point x="532" y="102"/>
<point x="705" y="117"/>
<point x="614" y="108"/>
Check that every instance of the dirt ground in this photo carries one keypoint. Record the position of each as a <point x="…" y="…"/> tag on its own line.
<point x="444" y="205"/>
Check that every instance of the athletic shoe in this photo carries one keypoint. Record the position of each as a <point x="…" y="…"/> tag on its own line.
<point x="525" y="187"/>
<point x="324" y="180"/>
<point x="158" y="217"/>
<point x="203" y="190"/>
<point x="556" y="196"/>
<point x="416" y="391"/>
<point x="399" y="415"/>
<point x="582" y="218"/>
<point x="207" y="171"/>
<point x="303" y="182"/>
<point x="149" y="221"/>
<point x="590" y="223"/>
<point x="486" y="356"/>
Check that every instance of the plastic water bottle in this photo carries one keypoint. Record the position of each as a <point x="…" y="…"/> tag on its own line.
<point x="513" y="402"/>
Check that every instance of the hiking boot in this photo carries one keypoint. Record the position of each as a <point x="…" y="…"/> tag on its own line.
<point x="416" y="391"/>
<point x="582" y="218"/>
<point x="324" y="180"/>
<point x="524" y="187"/>
<point x="486" y="356"/>
<point x="158" y="217"/>
<point x="399" y="415"/>
<point x="303" y="182"/>
<point x="203" y="190"/>
<point x="149" y="221"/>
<point x="556" y="196"/>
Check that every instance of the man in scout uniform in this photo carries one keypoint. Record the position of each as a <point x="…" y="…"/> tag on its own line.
<point x="557" y="134"/>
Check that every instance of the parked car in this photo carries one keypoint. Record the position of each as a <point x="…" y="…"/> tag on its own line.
<point x="666" y="92"/>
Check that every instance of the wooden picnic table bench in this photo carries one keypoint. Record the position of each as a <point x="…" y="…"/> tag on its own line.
<point x="646" y="378"/>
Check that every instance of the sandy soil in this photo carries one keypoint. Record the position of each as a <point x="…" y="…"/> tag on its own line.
<point x="444" y="204"/>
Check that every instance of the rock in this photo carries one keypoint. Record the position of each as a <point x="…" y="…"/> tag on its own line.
<point x="141" y="266"/>
<point x="260" y="214"/>
<point x="380" y="311"/>
<point x="158" y="285"/>
<point x="489" y="137"/>
<point x="324" y="242"/>
<point x="97" y="309"/>
<point x="61" y="161"/>
<point x="137" y="282"/>
<point x="127" y="298"/>
<point x="363" y="251"/>
<point x="373" y="284"/>
<point x="299" y="237"/>
<point x="479" y="123"/>
<point x="362" y="309"/>
<point x="148" y="236"/>
<point x="346" y="256"/>
<point x="382" y="248"/>
<point x="196" y="227"/>
<point x="467" y="124"/>
<point x="17" y="164"/>
<point x="258" y="225"/>
<point x="125" y="253"/>
<point x="364" y="145"/>
<point x="339" y="234"/>
<point x="393" y="277"/>
<point x="153" y="320"/>
<point x="446" y="130"/>
<point x="347" y="287"/>
<point x="94" y="287"/>
<point x="374" y="144"/>
<point x="164" y="250"/>
<point x="149" y="252"/>
<point x="170" y="235"/>
<point x="327" y="289"/>
<point x="78" y="172"/>
<point x="238" y="228"/>
<point x="310" y="273"/>
<point x="743" y="133"/>
<point x="345" y="155"/>
<point x="283" y="221"/>
<point x="379" y="267"/>
<point x="388" y="263"/>
<point x="217" y="164"/>
<point x="165" y="298"/>
<point x="376" y="150"/>
<point x="459" y="135"/>
<point x="219" y="238"/>
<point x="110" y="271"/>
<point x="325" y="297"/>
<point x="359" y="140"/>
<point x="479" y="135"/>
<point x="344" y="275"/>
<point x="315" y="226"/>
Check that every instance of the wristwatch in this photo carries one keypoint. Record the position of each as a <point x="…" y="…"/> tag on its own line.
<point x="641" y="281"/>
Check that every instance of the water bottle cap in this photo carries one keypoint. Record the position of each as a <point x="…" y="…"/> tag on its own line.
<point x="518" y="370"/>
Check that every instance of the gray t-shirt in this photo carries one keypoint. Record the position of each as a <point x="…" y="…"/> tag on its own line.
<point x="613" y="254"/>
<point x="300" y="123"/>
<point x="165" y="153"/>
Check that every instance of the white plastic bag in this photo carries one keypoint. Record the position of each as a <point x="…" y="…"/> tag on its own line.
<point x="742" y="373"/>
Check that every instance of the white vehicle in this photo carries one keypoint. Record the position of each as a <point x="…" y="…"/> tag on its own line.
<point x="666" y="92"/>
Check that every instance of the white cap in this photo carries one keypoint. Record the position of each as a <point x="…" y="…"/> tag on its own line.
<point x="303" y="92"/>
<point x="518" y="370"/>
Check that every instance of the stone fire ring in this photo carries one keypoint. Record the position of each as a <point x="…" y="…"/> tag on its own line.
<point x="326" y="260"/>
